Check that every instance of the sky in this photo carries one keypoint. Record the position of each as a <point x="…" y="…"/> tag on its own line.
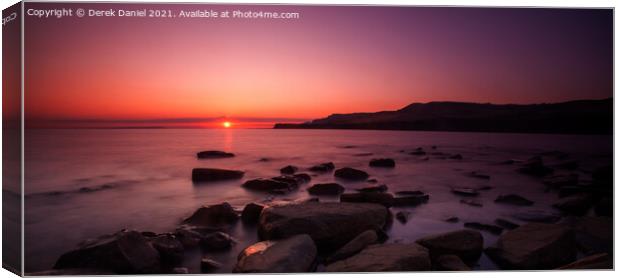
<point x="201" y="72"/>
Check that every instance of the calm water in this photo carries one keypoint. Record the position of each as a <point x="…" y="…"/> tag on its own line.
<point x="145" y="178"/>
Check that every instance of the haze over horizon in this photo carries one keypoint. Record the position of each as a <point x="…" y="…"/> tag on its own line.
<point x="335" y="59"/>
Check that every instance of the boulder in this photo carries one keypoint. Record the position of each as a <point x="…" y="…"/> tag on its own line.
<point x="288" y="170"/>
<point x="212" y="174"/>
<point x="251" y="212"/>
<point x="323" y="167"/>
<point x="208" y="265"/>
<point x="331" y="225"/>
<point x="353" y="174"/>
<point x="170" y="249"/>
<point x="216" y="241"/>
<point x="467" y="244"/>
<point x="537" y="216"/>
<point x="326" y="189"/>
<point x="126" y="252"/>
<point x="596" y="261"/>
<point x="268" y="185"/>
<point x="450" y="263"/>
<point x="382" y="162"/>
<point x="354" y="246"/>
<point x="291" y="255"/>
<point x="513" y="199"/>
<point x="385" y="257"/>
<point x="302" y="178"/>
<point x="496" y="230"/>
<point x="534" y="246"/>
<point x="214" y="154"/>
<point x="385" y="199"/>
<point x="379" y="188"/>
<point x="407" y="201"/>
<point x="215" y="215"/>
<point x="577" y="204"/>
<point x="535" y="167"/>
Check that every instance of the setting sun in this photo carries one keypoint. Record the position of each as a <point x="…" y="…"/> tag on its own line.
<point x="226" y="124"/>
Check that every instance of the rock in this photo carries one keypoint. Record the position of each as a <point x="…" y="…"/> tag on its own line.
<point x="513" y="199"/>
<point x="290" y="255"/>
<point x="594" y="234"/>
<point x="180" y="270"/>
<point x="170" y="249"/>
<point x="450" y="263"/>
<point x="465" y="191"/>
<point x="559" y="181"/>
<point x="418" y="151"/>
<point x="506" y="224"/>
<point x="148" y="234"/>
<point x="216" y="241"/>
<point x="484" y="227"/>
<point x="478" y="175"/>
<point x="382" y="162"/>
<point x="471" y="202"/>
<point x="456" y="156"/>
<point x="251" y="212"/>
<point x="288" y="170"/>
<point x="212" y="174"/>
<point x="302" y="178"/>
<point x="576" y="204"/>
<point x="596" y="261"/>
<point x="566" y="191"/>
<point x="331" y="225"/>
<point x="537" y="216"/>
<point x="485" y="187"/>
<point x="380" y="188"/>
<point x="403" y="216"/>
<point x="410" y="192"/>
<point x="326" y="189"/>
<point x="452" y="219"/>
<point x="413" y="200"/>
<point x="567" y="165"/>
<point x="214" y="154"/>
<point x="188" y="237"/>
<point x="269" y="185"/>
<point x="385" y="257"/>
<point x="348" y="173"/>
<point x="215" y="215"/>
<point x="534" y="246"/>
<point x="208" y="265"/>
<point x="363" y="154"/>
<point x="535" y="167"/>
<point x="372" y="181"/>
<point x="467" y="244"/>
<point x="385" y="199"/>
<point x="264" y="159"/>
<point x="323" y="167"/>
<point x="126" y="252"/>
<point x="354" y="246"/>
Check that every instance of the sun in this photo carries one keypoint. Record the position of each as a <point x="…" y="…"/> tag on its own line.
<point x="226" y="124"/>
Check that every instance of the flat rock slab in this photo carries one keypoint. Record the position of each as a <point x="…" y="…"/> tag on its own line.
<point x="214" y="154"/>
<point x="385" y="257"/>
<point x="534" y="246"/>
<point x="212" y="174"/>
<point x="465" y="243"/>
<point x="291" y="255"/>
<point x="331" y="225"/>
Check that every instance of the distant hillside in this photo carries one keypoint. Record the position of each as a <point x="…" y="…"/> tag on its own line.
<point x="575" y="117"/>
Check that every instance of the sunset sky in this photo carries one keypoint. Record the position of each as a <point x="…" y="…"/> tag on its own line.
<point x="112" y="72"/>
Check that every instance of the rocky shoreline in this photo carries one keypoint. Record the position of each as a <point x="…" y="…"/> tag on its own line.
<point x="308" y="235"/>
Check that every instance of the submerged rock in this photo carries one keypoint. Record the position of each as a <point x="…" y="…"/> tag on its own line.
<point x="382" y="162"/>
<point x="513" y="199"/>
<point x="354" y="246"/>
<point x="215" y="215"/>
<point x="331" y="225"/>
<point x="535" y="167"/>
<point x="410" y="192"/>
<point x="418" y="151"/>
<point x="323" y="167"/>
<point x="288" y="170"/>
<point x="291" y="255"/>
<point x="385" y="257"/>
<point x="450" y="263"/>
<point x="385" y="199"/>
<point x="534" y="246"/>
<point x="348" y="173"/>
<point x="456" y="156"/>
<point x="212" y="174"/>
<point x="465" y="191"/>
<point x="214" y="154"/>
<point x="251" y="212"/>
<point x="326" y="189"/>
<point x="467" y="244"/>
<point x="126" y="252"/>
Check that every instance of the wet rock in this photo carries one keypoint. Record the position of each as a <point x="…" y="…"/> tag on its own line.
<point x="465" y="191"/>
<point x="385" y="199"/>
<point x="216" y="241"/>
<point x="471" y="202"/>
<point x="215" y="215"/>
<point x="496" y="230"/>
<point x="513" y="199"/>
<point x="348" y="173"/>
<point x="269" y="185"/>
<point x="576" y="204"/>
<point x="450" y="263"/>
<point x="382" y="162"/>
<point x="467" y="244"/>
<point x="291" y="255"/>
<point x="126" y="252"/>
<point x="148" y="234"/>
<point x="410" y="192"/>
<point x="208" y="265"/>
<point x="478" y="175"/>
<point x="403" y="216"/>
<point x="452" y="219"/>
<point x="288" y="170"/>
<point x="393" y="257"/>
<point x="331" y="225"/>
<point x="456" y="156"/>
<point x="212" y="174"/>
<point x="188" y="237"/>
<point x="326" y="189"/>
<point x="170" y="249"/>
<point x="354" y="246"/>
<point x="372" y="181"/>
<point x="363" y="154"/>
<point x="302" y="178"/>
<point x="406" y="201"/>
<point x="323" y="167"/>
<point x="596" y="261"/>
<point x="535" y="167"/>
<point x="214" y="154"/>
<point x="251" y="212"/>
<point x="180" y="270"/>
<point x="380" y="188"/>
<point x="537" y="216"/>
<point x="534" y="246"/>
<point x="506" y="224"/>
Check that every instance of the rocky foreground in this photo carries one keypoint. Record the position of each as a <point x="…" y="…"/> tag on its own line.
<point x="351" y="235"/>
